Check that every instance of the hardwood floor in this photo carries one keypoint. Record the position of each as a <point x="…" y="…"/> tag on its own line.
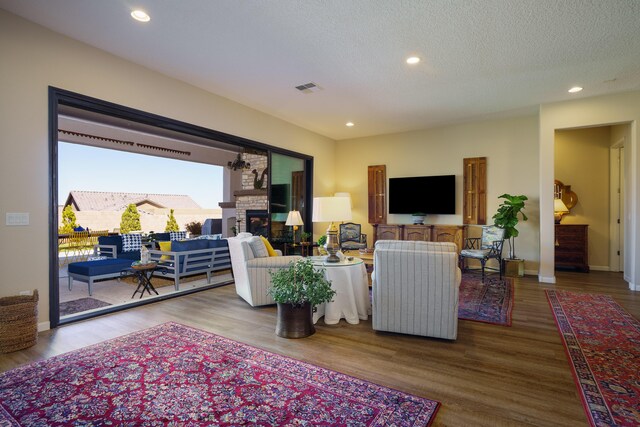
<point x="490" y="376"/>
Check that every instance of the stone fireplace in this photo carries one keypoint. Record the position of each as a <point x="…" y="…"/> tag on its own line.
<point x="251" y="203"/>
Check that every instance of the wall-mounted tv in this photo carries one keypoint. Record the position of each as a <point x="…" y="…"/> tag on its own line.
<point x="424" y="194"/>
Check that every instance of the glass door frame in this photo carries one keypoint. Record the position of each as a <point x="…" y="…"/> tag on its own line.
<point x="58" y="97"/>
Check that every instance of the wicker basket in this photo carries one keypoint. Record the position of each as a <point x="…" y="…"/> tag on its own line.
<point x="18" y="322"/>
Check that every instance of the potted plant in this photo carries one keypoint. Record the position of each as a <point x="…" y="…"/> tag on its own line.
<point x="507" y="219"/>
<point x="297" y="289"/>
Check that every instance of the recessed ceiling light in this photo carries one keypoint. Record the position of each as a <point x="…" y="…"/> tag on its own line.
<point x="413" y="60"/>
<point x="349" y="124"/>
<point x="575" y="89"/>
<point x="140" y="15"/>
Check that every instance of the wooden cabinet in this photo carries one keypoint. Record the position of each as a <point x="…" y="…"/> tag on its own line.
<point x="474" y="202"/>
<point x="572" y="246"/>
<point x="449" y="233"/>
<point x="429" y="233"/>
<point x="418" y="232"/>
<point x="377" y="194"/>
<point x="386" y="232"/>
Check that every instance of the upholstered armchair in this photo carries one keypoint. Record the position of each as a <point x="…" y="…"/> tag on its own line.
<point x="415" y="288"/>
<point x="251" y="263"/>
<point x="351" y="237"/>
<point x="487" y="246"/>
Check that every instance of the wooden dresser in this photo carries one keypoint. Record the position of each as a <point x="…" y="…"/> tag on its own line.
<point x="429" y="233"/>
<point x="572" y="246"/>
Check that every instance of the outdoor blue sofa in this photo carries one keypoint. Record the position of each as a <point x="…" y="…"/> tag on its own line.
<point x="190" y="257"/>
<point x="186" y="258"/>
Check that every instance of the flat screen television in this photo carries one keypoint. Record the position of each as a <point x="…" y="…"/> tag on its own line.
<point x="424" y="194"/>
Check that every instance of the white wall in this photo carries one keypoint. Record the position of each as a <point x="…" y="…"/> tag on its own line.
<point x="511" y="148"/>
<point x="34" y="58"/>
<point x="595" y="111"/>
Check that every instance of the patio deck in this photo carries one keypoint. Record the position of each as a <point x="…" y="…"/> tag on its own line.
<point x="119" y="292"/>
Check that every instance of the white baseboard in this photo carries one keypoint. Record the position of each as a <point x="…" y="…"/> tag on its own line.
<point x="44" y="326"/>
<point x="634" y="287"/>
<point x="599" y="267"/>
<point x="546" y="279"/>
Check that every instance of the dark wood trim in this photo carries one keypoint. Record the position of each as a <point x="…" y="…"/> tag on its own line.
<point x="58" y="97"/>
<point x="96" y="105"/>
<point x="54" y="285"/>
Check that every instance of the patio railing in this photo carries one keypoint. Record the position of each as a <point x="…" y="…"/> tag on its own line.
<point x="77" y="246"/>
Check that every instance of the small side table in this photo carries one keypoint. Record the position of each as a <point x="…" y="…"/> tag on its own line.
<point x="304" y="249"/>
<point x="143" y="272"/>
<point x="351" y="301"/>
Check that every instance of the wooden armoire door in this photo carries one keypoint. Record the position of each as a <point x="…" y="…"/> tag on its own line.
<point x="297" y="190"/>
<point x="377" y="195"/>
<point x="474" y="202"/>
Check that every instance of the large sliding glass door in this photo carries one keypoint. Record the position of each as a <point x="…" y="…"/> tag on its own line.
<point x="289" y="173"/>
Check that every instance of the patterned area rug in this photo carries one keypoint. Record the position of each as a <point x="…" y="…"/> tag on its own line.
<point x="82" y="304"/>
<point x="491" y="302"/>
<point x="175" y="375"/>
<point x="602" y="342"/>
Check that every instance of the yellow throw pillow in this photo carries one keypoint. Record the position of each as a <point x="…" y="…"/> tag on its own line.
<point x="270" y="250"/>
<point x="165" y="247"/>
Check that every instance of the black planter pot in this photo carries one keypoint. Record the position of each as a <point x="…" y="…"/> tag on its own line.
<point x="295" y="321"/>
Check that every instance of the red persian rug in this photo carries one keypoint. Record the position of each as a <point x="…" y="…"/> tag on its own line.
<point x="175" y="375"/>
<point x="602" y="342"/>
<point x="488" y="302"/>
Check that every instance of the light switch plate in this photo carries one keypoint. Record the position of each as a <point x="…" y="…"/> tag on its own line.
<point x="17" y="218"/>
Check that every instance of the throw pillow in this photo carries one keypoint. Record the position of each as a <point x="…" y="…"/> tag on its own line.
<point x="258" y="248"/>
<point x="165" y="247"/>
<point x="177" y="235"/>
<point x="131" y="242"/>
<point x="270" y="249"/>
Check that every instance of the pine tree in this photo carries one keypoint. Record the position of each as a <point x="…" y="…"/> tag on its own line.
<point x="172" y="224"/>
<point x="130" y="220"/>
<point x="68" y="220"/>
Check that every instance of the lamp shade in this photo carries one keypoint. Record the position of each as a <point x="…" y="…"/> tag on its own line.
<point x="294" y="218"/>
<point x="329" y="209"/>
<point x="559" y="206"/>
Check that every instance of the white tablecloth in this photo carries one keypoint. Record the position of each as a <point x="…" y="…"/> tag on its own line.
<point x="351" y="301"/>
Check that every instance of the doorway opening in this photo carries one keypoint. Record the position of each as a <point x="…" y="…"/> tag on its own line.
<point x="590" y="160"/>
<point x="103" y="127"/>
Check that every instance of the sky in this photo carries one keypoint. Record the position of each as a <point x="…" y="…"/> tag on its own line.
<point x="81" y="167"/>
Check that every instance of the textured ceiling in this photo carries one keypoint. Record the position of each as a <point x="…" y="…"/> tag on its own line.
<point x="480" y="58"/>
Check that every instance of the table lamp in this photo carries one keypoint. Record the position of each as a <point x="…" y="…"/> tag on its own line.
<point x="331" y="209"/>
<point x="294" y="219"/>
<point x="559" y="209"/>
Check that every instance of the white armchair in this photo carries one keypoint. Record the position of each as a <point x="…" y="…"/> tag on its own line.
<point x="415" y="288"/>
<point x="251" y="265"/>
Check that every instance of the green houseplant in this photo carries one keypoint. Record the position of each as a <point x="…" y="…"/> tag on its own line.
<point x="297" y="289"/>
<point x="507" y="218"/>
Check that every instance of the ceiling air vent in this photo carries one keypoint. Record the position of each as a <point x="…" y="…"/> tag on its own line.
<point x="308" y="88"/>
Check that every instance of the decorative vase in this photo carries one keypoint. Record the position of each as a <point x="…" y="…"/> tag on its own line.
<point x="295" y="321"/>
<point x="418" y="219"/>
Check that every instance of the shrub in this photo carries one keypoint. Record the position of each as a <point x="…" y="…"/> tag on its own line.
<point x="172" y="224"/>
<point x="130" y="220"/>
<point x="194" y="227"/>
<point x="68" y="220"/>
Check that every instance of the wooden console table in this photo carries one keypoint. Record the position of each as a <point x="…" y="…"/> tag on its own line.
<point x="421" y="232"/>
<point x="572" y="246"/>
